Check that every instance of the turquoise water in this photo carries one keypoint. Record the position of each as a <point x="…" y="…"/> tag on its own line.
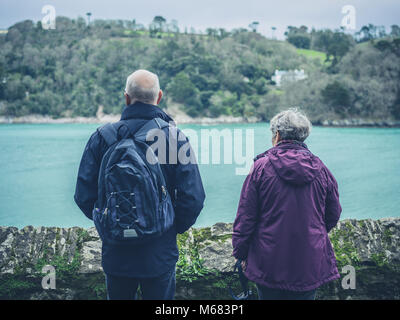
<point x="39" y="163"/>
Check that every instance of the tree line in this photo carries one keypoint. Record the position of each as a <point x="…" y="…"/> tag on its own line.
<point x="74" y="69"/>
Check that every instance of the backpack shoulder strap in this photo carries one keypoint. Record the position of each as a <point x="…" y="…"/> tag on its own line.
<point x="109" y="133"/>
<point x="156" y="123"/>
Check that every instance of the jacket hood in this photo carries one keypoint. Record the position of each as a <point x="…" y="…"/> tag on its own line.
<point x="293" y="162"/>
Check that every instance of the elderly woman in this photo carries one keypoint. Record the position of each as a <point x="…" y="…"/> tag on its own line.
<point x="289" y="203"/>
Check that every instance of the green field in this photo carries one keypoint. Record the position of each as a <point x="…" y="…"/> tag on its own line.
<point x="312" y="54"/>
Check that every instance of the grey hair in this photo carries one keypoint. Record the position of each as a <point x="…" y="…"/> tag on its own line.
<point x="143" y="85"/>
<point x="291" y="125"/>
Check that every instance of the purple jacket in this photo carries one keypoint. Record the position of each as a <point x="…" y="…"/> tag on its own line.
<point x="289" y="203"/>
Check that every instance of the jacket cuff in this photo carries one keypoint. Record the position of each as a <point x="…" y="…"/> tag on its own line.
<point x="240" y="254"/>
<point x="87" y="210"/>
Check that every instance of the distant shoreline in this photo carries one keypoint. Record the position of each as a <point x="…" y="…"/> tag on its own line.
<point x="106" y="118"/>
<point x="184" y="119"/>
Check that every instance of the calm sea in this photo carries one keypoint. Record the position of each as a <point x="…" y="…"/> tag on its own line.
<point x="39" y="163"/>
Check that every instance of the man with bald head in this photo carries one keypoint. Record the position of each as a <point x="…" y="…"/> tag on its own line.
<point x="150" y="265"/>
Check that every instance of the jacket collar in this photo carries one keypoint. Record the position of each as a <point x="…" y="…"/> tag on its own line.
<point x="140" y="110"/>
<point x="284" y="144"/>
<point x="290" y="143"/>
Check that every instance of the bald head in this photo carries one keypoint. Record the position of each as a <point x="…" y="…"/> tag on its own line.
<point x="143" y="85"/>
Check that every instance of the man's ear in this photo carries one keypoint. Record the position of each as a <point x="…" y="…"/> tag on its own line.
<point x="160" y="94"/>
<point x="127" y="99"/>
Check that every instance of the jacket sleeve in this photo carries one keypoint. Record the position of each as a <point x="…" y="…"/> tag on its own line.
<point x="332" y="204"/>
<point x="246" y="216"/>
<point x="189" y="191"/>
<point x="86" y="185"/>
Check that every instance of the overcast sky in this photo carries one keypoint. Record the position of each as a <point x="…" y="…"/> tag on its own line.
<point x="202" y="14"/>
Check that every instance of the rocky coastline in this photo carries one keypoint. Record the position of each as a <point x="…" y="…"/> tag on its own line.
<point x="185" y="119"/>
<point x="179" y="119"/>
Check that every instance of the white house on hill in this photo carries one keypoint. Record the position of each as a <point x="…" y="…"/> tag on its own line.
<point x="290" y="75"/>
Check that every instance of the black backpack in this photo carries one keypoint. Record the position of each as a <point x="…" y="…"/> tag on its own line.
<point x="133" y="203"/>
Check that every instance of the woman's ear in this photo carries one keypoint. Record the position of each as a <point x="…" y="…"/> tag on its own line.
<point x="276" y="139"/>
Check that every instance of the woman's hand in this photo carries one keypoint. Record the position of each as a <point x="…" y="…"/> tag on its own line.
<point x="243" y="263"/>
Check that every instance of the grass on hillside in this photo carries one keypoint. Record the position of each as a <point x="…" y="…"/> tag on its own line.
<point x="313" y="54"/>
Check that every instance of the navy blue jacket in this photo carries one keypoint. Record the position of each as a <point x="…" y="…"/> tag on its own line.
<point x="183" y="182"/>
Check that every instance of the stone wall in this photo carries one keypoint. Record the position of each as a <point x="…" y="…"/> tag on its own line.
<point x="204" y="268"/>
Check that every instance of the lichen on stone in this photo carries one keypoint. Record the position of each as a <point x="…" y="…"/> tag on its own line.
<point x="204" y="269"/>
